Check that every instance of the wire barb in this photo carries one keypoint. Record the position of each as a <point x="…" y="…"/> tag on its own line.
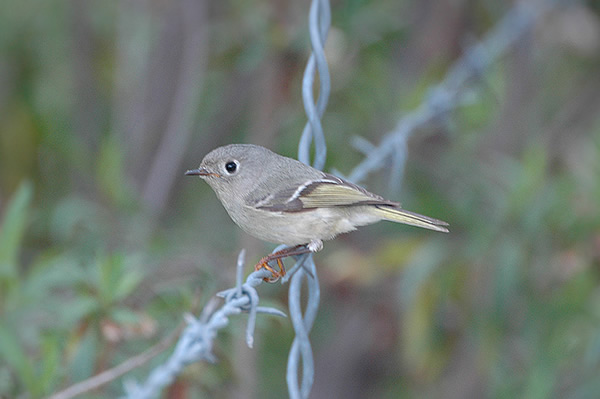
<point x="196" y="341"/>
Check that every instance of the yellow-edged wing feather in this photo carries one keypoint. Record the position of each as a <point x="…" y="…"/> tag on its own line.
<point x="399" y="215"/>
<point x="328" y="193"/>
<point x="332" y="191"/>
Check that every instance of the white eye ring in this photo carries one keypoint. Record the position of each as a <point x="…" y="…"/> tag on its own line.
<point x="231" y="167"/>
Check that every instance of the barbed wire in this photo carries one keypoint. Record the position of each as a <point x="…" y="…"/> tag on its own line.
<point x="319" y="23"/>
<point x="455" y="90"/>
<point x="301" y="351"/>
<point x="196" y="341"/>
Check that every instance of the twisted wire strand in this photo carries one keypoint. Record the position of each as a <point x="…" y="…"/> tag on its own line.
<point x="455" y="90"/>
<point x="305" y="271"/>
<point x="319" y="23"/>
<point x="301" y="348"/>
<point x="196" y="341"/>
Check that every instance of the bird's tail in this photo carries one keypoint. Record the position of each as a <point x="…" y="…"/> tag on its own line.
<point x="395" y="214"/>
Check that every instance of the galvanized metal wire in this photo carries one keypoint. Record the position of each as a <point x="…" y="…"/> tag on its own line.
<point x="301" y="351"/>
<point x="456" y="89"/>
<point x="196" y="341"/>
<point x="319" y="23"/>
<point x="459" y="87"/>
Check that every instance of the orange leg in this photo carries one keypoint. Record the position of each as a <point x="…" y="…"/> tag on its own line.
<point x="278" y="256"/>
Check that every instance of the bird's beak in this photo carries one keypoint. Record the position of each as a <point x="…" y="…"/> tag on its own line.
<point x="200" y="172"/>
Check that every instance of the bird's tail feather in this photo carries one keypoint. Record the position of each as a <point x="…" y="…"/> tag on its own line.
<point x="399" y="215"/>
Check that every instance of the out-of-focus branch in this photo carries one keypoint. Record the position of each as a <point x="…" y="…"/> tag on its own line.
<point x="112" y="374"/>
<point x="170" y="152"/>
<point x="132" y="66"/>
<point x="86" y="113"/>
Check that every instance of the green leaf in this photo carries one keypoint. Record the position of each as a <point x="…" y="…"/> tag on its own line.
<point x="123" y="315"/>
<point x="74" y="311"/>
<point x="540" y="382"/>
<point x="12" y="230"/>
<point x="127" y="283"/>
<point x="11" y="352"/>
<point x="110" y="173"/>
<point x="52" y="272"/>
<point x="49" y="364"/>
<point x="82" y="366"/>
<point x="116" y="279"/>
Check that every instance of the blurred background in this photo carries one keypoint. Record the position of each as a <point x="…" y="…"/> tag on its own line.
<point x="104" y="244"/>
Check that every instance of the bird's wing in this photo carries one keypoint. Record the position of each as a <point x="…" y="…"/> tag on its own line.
<point x="329" y="191"/>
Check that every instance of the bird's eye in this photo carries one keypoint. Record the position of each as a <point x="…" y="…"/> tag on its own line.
<point x="231" y="167"/>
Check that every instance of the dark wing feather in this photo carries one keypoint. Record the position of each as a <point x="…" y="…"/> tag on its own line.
<point x="280" y="201"/>
<point x="328" y="192"/>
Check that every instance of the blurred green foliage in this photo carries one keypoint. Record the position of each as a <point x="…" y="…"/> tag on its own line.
<point x="104" y="244"/>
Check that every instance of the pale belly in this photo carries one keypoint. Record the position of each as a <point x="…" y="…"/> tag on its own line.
<point x="302" y="227"/>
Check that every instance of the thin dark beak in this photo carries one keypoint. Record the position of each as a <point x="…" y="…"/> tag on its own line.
<point x="199" y="172"/>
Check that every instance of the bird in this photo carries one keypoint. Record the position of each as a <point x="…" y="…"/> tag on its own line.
<point x="284" y="201"/>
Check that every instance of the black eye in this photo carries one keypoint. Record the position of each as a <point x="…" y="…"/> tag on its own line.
<point x="231" y="167"/>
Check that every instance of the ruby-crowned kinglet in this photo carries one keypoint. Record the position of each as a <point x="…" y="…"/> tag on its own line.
<point x="281" y="200"/>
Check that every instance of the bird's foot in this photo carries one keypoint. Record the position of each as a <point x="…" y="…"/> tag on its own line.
<point x="278" y="256"/>
<point x="264" y="264"/>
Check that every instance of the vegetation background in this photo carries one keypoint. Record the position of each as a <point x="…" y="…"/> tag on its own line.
<point x="104" y="244"/>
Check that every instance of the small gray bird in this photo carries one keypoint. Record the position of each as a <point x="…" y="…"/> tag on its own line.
<point x="281" y="200"/>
